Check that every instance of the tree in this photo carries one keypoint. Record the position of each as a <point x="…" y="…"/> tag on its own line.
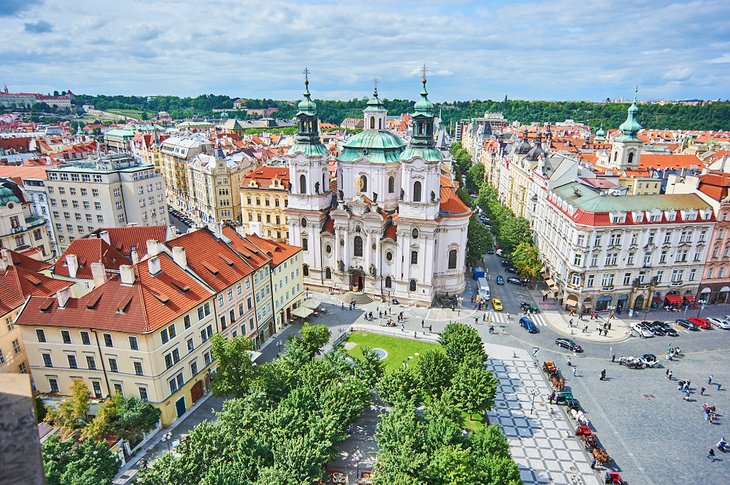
<point x="512" y="231"/>
<point x="314" y="338"/>
<point x="434" y="372"/>
<point x="120" y="417"/>
<point x="473" y="388"/>
<point x="370" y="368"/>
<point x="72" y="413"/>
<point x="475" y="177"/>
<point x="400" y="385"/>
<point x="89" y="463"/>
<point x="460" y="341"/>
<point x="465" y="197"/>
<point x="235" y="368"/>
<point x="526" y="260"/>
<point x="454" y="464"/>
<point x="489" y="441"/>
<point x="478" y="241"/>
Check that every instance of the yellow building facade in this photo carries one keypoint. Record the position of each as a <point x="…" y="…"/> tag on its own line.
<point x="264" y="201"/>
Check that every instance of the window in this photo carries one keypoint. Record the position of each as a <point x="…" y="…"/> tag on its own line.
<point x="97" y="389"/>
<point x="357" y="246"/>
<point x="453" y="254"/>
<point x="391" y="184"/>
<point x="412" y="285"/>
<point x="191" y="344"/>
<point x="607" y="280"/>
<point x="594" y="259"/>
<point x="577" y="259"/>
<point x="40" y="334"/>
<point x="224" y="325"/>
<point x="575" y="279"/>
<point x="416" y="191"/>
<point x="659" y="276"/>
<point x="611" y="259"/>
<point x="91" y="362"/>
<point x="142" y="393"/>
<point x="668" y="238"/>
<point x="207" y="358"/>
<point x="630" y="259"/>
<point x="186" y="320"/>
<point x="677" y="275"/>
<point x="305" y="244"/>
<point x="647" y="259"/>
<point x="692" y="274"/>
<point x="388" y="282"/>
<point x="2" y="357"/>
<point x="709" y="274"/>
<point x="133" y="343"/>
<point x="627" y="279"/>
<point x="113" y="367"/>
<point x="72" y="362"/>
<point x="118" y="388"/>
<point x="302" y="184"/>
<point x="176" y="383"/>
<point x="16" y="346"/>
<point x="589" y="281"/>
<point x="193" y="367"/>
<point x="66" y="336"/>
<point x="597" y="240"/>
<point x="663" y="257"/>
<point x="327" y="274"/>
<point x="363" y="183"/>
<point x="138" y="368"/>
<point x="47" y="361"/>
<point x="305" y="270"/>
<point x="414" y="257"/>
<point x="85" y="338"/>
<point x="53" y="383"/>
<point x="108" y="340"/>
<point x="414" y="233"/>
<point x="614" y="240"/>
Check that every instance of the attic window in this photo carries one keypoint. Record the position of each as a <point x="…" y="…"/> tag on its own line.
<point x="125" y="306"/>
<point x="91" y="304"/>
<point x="35" y="281"/>
<point x="209" y="268"/>
<point x="163" y="298"/>
<point x="181" y="287"/>
<point x="226" y="260"/>
<point x="47" y="306"/>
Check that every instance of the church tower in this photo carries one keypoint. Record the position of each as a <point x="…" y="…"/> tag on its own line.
<point x="626" y="149"/>
<point x="309" y="186"/>
<point x="421" y="164"/>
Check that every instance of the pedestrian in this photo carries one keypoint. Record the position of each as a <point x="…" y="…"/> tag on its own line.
<point x="585" y="329"/>
<point x="603" y="375"/>
<point x="403" y="328"/>
<point x="686" y="396"/>
<point x="689" y="383"/>
<point x="484" y="317"/>
<point x="570" y="323"/>
<point x="613" y="358"/>
<point x="423" y="323"/>
<point x="575" y="372"/>
<point x="593" y="463"/>
<point x="711" y="455"/>
<point x="599" y="331"/>
<point x="476" y="320"/>
<point x="569" y="362"/>
<point x="669" y="375"/>
<point x="415" y="335"/>
<point x="609" y="325"/>
<point x="430" y="329"/>
<point x="342" y="305"/>
<point x="709" y="380"/>
<point x="718" y="386"/>
<point x="472" y="298"/>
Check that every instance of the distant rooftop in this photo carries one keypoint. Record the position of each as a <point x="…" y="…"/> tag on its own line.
<point x="107" y="164"/>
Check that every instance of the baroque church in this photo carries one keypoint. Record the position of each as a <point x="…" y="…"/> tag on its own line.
<point x="390" y="223"/>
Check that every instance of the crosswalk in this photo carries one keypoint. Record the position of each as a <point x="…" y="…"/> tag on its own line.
<point x="501" y="318"/>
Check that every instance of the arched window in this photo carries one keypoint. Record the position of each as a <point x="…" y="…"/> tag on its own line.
<point x="372" y="122"/>
<point x="416" y="191"/>
<point x="302" y="184"/>
<point x="363" y="183"/>
<point x="615" y="154"/>
<point x="452" y="258"/>
<point x="391" y="184"/>
<point x="631" y="158"/>
<point x="305" y="270"/>
<point x="305" y="244"/>
<point x="388" y="282"/>
<point x="412" y="285"/>
<point x="414" y="257"/>
<point x="327" y="274"/>
<point x="358" y="246"/>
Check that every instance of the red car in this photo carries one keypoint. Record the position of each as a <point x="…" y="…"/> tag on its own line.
<point x="700" y="322"/>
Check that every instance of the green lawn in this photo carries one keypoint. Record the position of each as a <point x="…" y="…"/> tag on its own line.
<point x="477" y="423"/>
<point x="399" y="349"/>
<point x="132" y="113"/>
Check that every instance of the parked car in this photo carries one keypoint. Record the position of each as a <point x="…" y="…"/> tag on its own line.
<point x="719" y="322"/>
<point x="510" y="269"/>
<point x="687" y="324"/>
<point x="497" y="304"/>
<point x="490" y="251"/>
<point x="530" y="307"/>
<point x="500" y="280"/>
<point x="528" y="325"/>
<point x="515" y="281"/>
<point x="701" y="322"/>
<point x="668" y="330"/>
<point x="642" y="330"/>
<point x="657" y="329"/>
<point x="567" y="343"/>
<point x="506" y="262"/>
<point x="649" y="360"/>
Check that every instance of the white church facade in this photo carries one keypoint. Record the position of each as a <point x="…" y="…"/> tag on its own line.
<point x="390" y="225"/>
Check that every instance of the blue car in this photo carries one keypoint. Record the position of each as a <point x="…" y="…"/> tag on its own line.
<point x="528" y="324"/>
<point x="500" y="280"/>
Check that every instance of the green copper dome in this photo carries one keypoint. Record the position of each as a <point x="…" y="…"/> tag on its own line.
<point x="373" y="145"/>
<point x="307" y="106"/>
<point x="374" y="103"/>
<point x="7" y="196"/>
<point x="600" y="133"/>
<point x="631" y="126"/>
<point x="424" y="106"/>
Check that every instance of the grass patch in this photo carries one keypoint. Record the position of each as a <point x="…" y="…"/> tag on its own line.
<point x="399" y="349"/>
<point x="476" y="423"/>
<point x="132" y="113"/>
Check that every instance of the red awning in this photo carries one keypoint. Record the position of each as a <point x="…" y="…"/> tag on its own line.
<point x="673" y="299"/>
<point x="656" y="299"/>
<point x="689" y="298"/>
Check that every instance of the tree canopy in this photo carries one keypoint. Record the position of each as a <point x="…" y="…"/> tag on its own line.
<point x="88" y="463"/>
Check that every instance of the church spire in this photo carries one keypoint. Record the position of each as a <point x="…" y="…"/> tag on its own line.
<point x="307" y="124"/>
<point x="423" y="118"/>
<point x="375" y="112"/>
<point x="630" y="128"/>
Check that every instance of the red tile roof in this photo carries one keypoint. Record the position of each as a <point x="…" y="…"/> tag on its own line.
<point x="715" y="185"/>
<point x="255" y="257"/>
<point x="150" y="303"/>
<point x="123" y="239"/>
<point x="277" y="251"/>
<point x="18" y="283"/>
<point x="87" y="251"/>
<point x="451" y="204"/>
<point x="23" y="260"/>
<point x="264" y="177"/>
<point x="211" y="259"/>
<point x="651" y="160"/>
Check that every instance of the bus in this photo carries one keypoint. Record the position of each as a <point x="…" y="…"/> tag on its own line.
<point x="484" y="293"/>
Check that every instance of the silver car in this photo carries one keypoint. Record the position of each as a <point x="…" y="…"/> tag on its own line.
<point x="718" y="322"/>
<point x="642" y="330"/>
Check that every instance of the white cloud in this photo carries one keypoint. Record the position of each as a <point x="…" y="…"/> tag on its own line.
<point x="678" y="74"/>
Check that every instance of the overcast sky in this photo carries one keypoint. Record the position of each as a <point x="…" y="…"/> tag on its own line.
<point x="525" y="49"/>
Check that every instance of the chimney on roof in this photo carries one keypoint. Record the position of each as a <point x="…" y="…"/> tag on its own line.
<point x="72" y="263"/>
<point x="6" y="259"/>
<point x="152" y="248"/>
<point x="98" y="273"/>
<point x="135" y="256"/>
<point x="105" y="236"/>
<point x="153" y="265"/>
<point x="126" y="272"/>
<point x="179" y="256"/>
<point x="63" y="296"/>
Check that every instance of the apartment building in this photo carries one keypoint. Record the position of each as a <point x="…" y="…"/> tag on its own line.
<point x="176" y="153"/>
<point x="147" y="147"/>
<point x="606" y="251"/>
<point x="19" y="279"/>
<point x="264" y="199"/>
<point x="145" y="333"/>
<point x="213" y="182"/>
<point x="111" y="191"/>
<point x="21" y="229"/>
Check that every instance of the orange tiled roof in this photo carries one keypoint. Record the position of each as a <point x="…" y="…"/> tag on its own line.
<point x="123" y="239"/>
<point x="19" y="282"/>
<point x="277" y="251"/>
<point x="87" y="251"/>
<point x="716" y="185"/>
<point x="265" y="176"/>
<point x="651" y="160"/>
<point x="451" y="204"/>
<point x="211" y="259"/>
<point x="150" y="303"/>
<point x="255" y="257"/>
<point x="23" y="172"/>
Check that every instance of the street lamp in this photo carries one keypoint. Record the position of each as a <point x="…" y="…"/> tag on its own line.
<point x="167" y="438"/>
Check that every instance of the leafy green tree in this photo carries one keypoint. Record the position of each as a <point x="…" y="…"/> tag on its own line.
<point x="512" y="231"/>
<point x="526" y="260"/>
<point x="235" y="371"/>
<point x="473" y="388"/>
<point x="500" y="470"/>
<point x="400" y="385"/>
<point x="462" y="342"/>
<point x="475" y="177"/>
<point x="489" y="441"/>
<point x="454" y="464"/>
<point x="478" y="241"/>
<point x="370" y="368"/>
<point x="88" y="463"/>
<point x="434" y="372"/>
<point x="314" y="338"/>
<point x="72" y="413"/>
<point x="465" y="197"/>
<point x="120" y="417"/>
